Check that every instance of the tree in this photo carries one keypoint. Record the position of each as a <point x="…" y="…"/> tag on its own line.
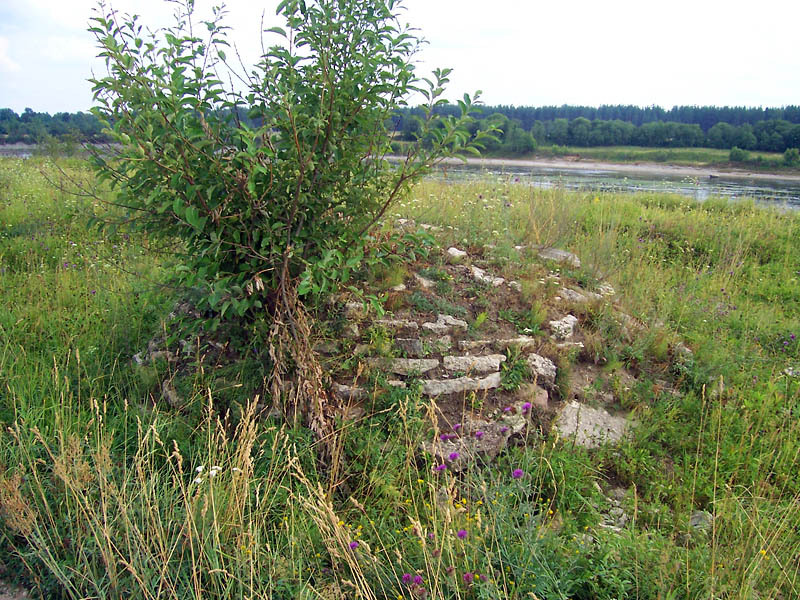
<point x="274" y="214"/>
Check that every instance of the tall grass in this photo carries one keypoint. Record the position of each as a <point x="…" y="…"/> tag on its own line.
<point x="102" y="494"/>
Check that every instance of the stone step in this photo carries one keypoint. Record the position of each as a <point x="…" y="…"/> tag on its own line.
<point x="522" y="342"/>
<point x="405" y="366"/>
<point x="445" y="324"/>
<point x="474" y="364"/>
<point x="436" y="387"/>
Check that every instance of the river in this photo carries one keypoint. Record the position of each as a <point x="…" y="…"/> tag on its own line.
<point x="699" y="184"/>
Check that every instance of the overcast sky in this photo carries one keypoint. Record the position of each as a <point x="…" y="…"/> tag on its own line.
<point x="522" y="52"/>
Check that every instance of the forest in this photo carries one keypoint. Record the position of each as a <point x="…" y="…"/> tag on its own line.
<point x="523" y="128"/>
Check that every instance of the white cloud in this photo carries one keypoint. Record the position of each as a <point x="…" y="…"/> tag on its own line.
<point x="7" y="64"/>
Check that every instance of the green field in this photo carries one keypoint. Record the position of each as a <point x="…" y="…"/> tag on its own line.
<point x="697" y="157"/>
<point x="102" y="494"/>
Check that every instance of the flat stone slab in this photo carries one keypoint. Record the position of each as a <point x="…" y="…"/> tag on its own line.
<point x="543" y="369"/>
<point x="480" y="276"/>
<point x="591" y="427"/>
<point x="397" y="324"/>
<point x="561" y="256"/>
<point x="405" y="366"/>
<point x="474" y="364"/>
<point x="435" y="387"/>
<point x="445" y="324"/>
<point x="563" y="328"/>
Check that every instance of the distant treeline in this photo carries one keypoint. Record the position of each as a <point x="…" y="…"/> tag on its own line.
<point x="768" y="129"/>
<point x="523" y="128"/>
<point x="32" y="127"/>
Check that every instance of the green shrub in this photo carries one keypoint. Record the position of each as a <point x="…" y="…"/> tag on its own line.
<point x="738" y="155"/>
<point x="271" y="190"/>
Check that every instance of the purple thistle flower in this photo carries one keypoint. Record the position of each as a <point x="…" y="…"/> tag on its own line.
<point x="483" y="577"/>
<point x="454" y="456"/>
<point x="517" y="473"/>
<point x="353" y="545"/>
<point x="440" y="468"/>
<point x="406" y="578"/>
<point x="467" y="577"/>
<point x="478" y="434"/>
<point x="526" y="407"/>
<point x="444" y="437"/>
<point x="418" y="579"/>
<point x="431" y="536"/>
<point x="506" y="409"/>
<point x="462" y="533"/>
<point x="503" y="429"/>
<point x="457" y="426"/>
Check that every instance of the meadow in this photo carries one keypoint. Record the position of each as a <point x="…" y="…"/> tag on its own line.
<point x="106" y="491"/>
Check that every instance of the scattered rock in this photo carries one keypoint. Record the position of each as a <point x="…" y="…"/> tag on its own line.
<point x="423" y="281"/>
<point x="405" y="366"/>
<point x="400" y="288"/>
<point x="428" y="227"/>
<point x="534" y="394"/>
<point x="563" y="328"/>
<point x="456" y="256"/>
<point x="170" y="394"/>
<point x="605" y="289"/>
<point x="351" y="331"/>
<point x="474" y="364"/>
<point x="515" y="285"/>
<point x="433" y="387"/>
<point x="561" y="256"/>
<point x="573" y="296"/>
<point x="347" y="392"/>
<point x="543" y="369"/>
<point x="445" y="324"/>
<point x="354" y="311"/>
<point x="591" y="427"/>
<point x="701" y="520"/>
<point x="480" y="276"/>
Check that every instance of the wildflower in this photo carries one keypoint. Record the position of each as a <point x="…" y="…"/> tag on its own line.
<point x="450" y="570"/>
<point x="440" y="468"/>
<point x="353" y="545"/>
<point x="454" y="456"/>
<point x="517" y="473"/>
<point x="444" y="437"/>
<point x="199" y="469"/>
<point x="406" y="578"/>
<point x="506" y="409"/>
<point x="526" y="407"/>
<point x="503" y="429"/>
<point x="462" y="533"/>
<point x="457" y="426"/>
<point x="467" y="577"/>
<point x="418" y="579"/>
<point x="478" y="434"/>
<point x="198" y="480"/>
